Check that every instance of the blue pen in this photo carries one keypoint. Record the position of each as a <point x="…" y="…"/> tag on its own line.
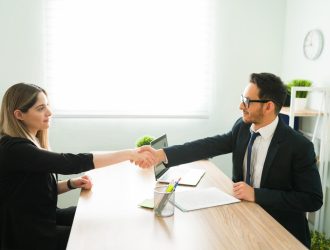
<point x="176" y="183"/>
<point x="169" y="190"/>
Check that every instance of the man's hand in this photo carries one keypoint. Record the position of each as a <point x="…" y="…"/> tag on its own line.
<point x="157" y="156"/>
<point x="143" y="159"/>
<point x="243" y="191"/>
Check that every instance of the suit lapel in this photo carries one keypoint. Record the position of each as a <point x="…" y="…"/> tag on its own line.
<point x="279" y="135"/>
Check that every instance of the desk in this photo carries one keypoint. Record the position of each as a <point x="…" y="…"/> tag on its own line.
<point x="108" y="217"/>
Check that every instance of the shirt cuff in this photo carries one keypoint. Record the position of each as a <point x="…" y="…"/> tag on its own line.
<point x="166" y="160"/>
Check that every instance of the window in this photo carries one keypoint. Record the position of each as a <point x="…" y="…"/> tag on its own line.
<point x="129" y="57"/>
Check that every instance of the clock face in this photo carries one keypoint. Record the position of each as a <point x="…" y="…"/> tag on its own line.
<point x="313" y="44"/>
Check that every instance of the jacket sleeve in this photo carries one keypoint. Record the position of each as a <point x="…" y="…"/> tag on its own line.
<point x="201" y="149"/>
<point x="26" y="157"/>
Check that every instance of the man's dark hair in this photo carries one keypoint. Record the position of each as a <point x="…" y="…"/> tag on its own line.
<point x="271" y="88"/>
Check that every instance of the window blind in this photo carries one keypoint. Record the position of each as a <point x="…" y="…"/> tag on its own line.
<point x="129" y="58"/>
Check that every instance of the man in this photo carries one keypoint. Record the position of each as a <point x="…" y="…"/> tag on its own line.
<point x="280" y="165"/>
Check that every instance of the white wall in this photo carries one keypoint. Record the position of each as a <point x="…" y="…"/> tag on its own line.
<point x="302" y="16"/>
<point x="248" y="34"/>
<point x="249" y="38"/>
<point x="21" y="42"/>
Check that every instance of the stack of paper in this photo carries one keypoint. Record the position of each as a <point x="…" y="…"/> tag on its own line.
<point x="202" y="198"/>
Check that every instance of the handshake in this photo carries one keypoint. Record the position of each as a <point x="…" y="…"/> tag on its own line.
<point x="146" y="156"/>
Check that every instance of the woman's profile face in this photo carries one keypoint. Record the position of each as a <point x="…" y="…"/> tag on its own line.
<point x="38" y="116"/>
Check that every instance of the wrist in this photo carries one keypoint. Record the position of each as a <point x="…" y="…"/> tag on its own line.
<point x="132" y="154"/>
<point x="69" y="185"/>
<point x="161" y="156"/>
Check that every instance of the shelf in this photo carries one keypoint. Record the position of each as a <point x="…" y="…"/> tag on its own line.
<point x="300" y="113"/>
<point x="321" y="127"/>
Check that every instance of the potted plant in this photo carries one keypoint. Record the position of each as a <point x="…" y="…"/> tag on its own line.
<point x="319" y="241"/>
<point x="301" y="96"/>
<point x="144" y="140"/>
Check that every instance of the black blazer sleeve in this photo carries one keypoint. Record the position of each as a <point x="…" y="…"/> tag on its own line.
<point x="23" y="156"/>
<point x="201" y="149"/>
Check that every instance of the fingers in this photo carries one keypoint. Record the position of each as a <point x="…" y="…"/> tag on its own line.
<point x="243" y="191"/>
<point x="86" y="182"/>
<point x="148" y="149"/>
<point x="144" y="162"/>
<point x="145" y="148"/>
<point x="237" y="189"/>
<point x="149" y="158"/>
<point x="86" y="177"/>
<point x="153" y="156"/>
<point x="144" y="157"/>
<point x="83" y="182"/>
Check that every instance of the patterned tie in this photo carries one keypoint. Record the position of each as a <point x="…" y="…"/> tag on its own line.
<point x="248" y="165"/>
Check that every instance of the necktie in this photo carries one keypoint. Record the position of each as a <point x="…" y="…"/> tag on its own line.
<point x="248" y="165"/>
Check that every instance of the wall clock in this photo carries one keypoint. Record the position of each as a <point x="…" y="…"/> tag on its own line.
<point x="313" y="44"/>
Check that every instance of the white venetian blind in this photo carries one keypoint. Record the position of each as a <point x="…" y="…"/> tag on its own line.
<point x="129" y="57"/>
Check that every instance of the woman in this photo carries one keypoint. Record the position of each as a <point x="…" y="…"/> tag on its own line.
<point x="29" y="218"/>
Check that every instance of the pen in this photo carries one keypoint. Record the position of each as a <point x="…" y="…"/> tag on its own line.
<point x="170" y="189"/>
<point x="177" y="183"/>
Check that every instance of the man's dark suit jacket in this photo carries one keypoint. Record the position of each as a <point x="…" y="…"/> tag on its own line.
<point x="290" y="183"/>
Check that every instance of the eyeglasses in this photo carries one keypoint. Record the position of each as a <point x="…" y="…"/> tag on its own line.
<point x="246" y="101"/>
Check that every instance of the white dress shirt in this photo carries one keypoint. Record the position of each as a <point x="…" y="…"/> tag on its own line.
<point x="259" y="152"/>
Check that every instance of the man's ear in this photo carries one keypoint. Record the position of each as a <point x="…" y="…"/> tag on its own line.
<point x="18" y="114"/>
<point x="270" y="106"/>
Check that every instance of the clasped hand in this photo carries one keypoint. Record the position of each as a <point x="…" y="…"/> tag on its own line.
<point x="243" y="191"/>
<point x="146" y="157"/>
<point x="83" y="182"/>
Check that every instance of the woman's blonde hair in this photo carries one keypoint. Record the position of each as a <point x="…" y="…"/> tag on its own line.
<point x="21" y="96"/>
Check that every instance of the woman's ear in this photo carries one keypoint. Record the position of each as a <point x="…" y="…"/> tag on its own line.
<point x="18" y="114"/>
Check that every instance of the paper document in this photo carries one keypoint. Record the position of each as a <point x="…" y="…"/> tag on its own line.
<point x="202" y="198"/>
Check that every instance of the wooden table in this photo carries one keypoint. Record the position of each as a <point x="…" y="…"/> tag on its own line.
<point x="108" y="217"/>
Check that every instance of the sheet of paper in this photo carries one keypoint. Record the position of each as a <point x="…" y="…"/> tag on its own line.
<point x="202" y="198"/>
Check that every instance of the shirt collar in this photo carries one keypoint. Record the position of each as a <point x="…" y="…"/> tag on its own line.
<point x="267" y="131"/>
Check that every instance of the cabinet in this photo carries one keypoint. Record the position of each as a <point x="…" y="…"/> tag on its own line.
<point x="319" y="137"/>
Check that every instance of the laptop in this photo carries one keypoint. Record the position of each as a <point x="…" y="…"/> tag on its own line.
<point x="189" y="176"/>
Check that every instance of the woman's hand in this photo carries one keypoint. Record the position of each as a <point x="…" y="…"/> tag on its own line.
<point x="157" y="155"/>
<point x="144" y="159"/>
<point x="83" y="182"/>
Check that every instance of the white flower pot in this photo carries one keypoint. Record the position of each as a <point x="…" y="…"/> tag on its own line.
<point x="300" y="104"/>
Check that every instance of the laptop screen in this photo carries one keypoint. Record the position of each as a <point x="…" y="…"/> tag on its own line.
<point x="160" y="142"/>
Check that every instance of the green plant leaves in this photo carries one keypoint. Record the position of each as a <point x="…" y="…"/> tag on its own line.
<point x="299" y="83"/>
<point x="145" y="140"/>
<point x="319" y="241"/>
